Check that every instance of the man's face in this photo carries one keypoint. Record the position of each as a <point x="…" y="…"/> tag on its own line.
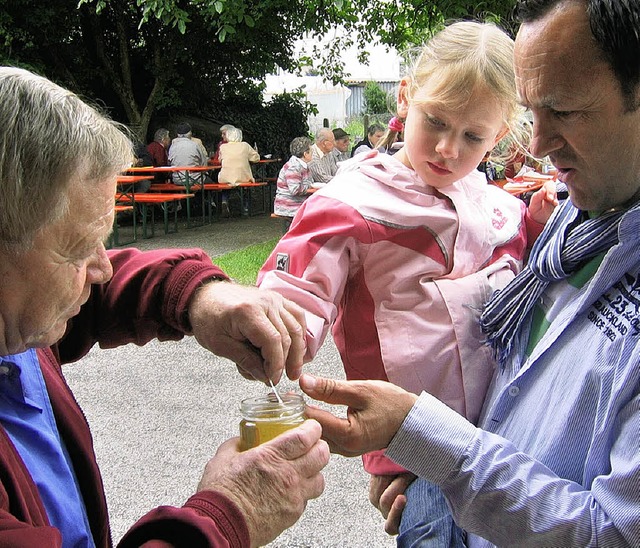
<point x="578" y="109"/>
<point x="41" y="289"/>
<point x="342" y="144"/>
<point x="327" y="144"/>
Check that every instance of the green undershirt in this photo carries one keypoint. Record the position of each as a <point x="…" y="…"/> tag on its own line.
<point x="539" y="323"/>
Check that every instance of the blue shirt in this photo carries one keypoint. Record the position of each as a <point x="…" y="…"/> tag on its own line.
<point x="27" y="417"/>
<point x="556" y="460"/>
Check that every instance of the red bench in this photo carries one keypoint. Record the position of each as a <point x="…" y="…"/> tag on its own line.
<point x="150" y="199"/>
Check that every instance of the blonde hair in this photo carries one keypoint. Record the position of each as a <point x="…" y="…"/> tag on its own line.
<point x="49" y="139"/>
<point x="456" y="62"/>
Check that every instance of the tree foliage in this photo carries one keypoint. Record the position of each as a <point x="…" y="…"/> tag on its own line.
<point x="375" y="99"/>
<point x="142" y="57"/>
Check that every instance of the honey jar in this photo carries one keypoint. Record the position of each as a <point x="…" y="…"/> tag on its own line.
<point x="264" y="418"/>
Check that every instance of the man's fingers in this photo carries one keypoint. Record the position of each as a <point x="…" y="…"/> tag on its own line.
<point x="297" y="442"/>
<point x="392" y="524"/>
<point x="333" y="391"/>
<point x="336" y="432"/>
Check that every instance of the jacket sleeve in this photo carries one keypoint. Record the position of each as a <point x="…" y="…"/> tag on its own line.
<point x="313" y="260"/>
<point x="207" y="520"/>
<point x="147" y="297"/>
<point x="253" y="154"/>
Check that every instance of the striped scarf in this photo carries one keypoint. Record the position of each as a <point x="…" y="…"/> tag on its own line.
<point x="568" y="240"/>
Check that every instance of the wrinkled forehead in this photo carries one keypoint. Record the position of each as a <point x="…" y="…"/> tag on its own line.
<point x="555" y="47"/>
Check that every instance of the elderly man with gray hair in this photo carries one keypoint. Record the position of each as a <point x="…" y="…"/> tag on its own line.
<point x="323" y="165"/>
<point x="62" y="293"/>
<point x="184" y="151"/>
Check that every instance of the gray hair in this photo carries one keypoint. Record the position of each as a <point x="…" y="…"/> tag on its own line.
<point x="226" y="127"/>
<point x="299" y="146"/>
<point x="49" y="139"/>
<point x="374" y="128"/>
<point x="161" y="134"/>
<point x="324" y="134"/>
<point x="234" y="135"/>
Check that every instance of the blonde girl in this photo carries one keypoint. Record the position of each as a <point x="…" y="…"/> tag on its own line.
<point x="398" y="254"/>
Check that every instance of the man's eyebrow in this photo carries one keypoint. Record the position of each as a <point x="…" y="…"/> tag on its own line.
<point x="546" y="102"/>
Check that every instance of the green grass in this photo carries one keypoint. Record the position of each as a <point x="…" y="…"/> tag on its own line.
<point x="243" y="265"/>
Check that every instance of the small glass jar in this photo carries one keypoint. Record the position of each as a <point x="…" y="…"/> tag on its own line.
<point x="264" y="418"/>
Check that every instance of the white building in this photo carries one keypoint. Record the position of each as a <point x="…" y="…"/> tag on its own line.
<point x="331" y="100"/>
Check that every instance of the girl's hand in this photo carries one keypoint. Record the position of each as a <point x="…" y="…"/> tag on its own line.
<point x="543" y="202"/>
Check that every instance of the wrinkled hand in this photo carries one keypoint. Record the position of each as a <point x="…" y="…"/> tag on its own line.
<point x="257" y="329"/>
<point x="271" y="483"/>
<point x="543" y="202"/>
<point x="375" y="411"/>
<point x="386" y="493"/>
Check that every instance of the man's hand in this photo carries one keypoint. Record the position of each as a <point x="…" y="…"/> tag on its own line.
<point x="257" y="329"/>
<point x="386" y="493"/>
<point x="271" y="483"/>
<point x="375" y="411"/>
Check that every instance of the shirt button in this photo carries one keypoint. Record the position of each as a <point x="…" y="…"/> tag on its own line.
<point x="514" y="390"/>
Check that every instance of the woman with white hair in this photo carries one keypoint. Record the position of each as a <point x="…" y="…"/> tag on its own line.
<point x="235" y="156"/>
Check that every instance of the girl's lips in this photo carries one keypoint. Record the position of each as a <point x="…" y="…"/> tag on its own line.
<point x="439" y="169"/>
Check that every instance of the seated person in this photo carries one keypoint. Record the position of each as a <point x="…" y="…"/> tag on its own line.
<point x="374" y="134"/>
<point x="142" y="159"/>
<point x="185" y="152"/>
<point x="294" y="180"/>
<point x="235" y="157"/>
<point x="215" y="156"/>
<point x="343" y="140"/>
<point x="323" y="164"/>
<point x="157" y="149"/>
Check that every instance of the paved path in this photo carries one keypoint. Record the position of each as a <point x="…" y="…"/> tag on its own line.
<point x="159" y="412"/>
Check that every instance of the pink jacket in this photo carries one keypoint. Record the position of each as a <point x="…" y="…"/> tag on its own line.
<point x="401" y="271"/>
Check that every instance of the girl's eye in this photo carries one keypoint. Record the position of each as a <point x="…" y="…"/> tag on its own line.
<point x="434" y="121"/>
<point x="474" y="138"/>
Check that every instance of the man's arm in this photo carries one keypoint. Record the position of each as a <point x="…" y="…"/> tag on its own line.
<point x="167" y="294"/>
<point x="480" y="472"/>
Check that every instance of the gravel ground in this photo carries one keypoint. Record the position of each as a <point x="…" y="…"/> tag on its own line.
<point x="158" y="413"/>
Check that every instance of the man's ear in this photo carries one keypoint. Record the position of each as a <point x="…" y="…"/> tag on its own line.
<point x="402" y="106"/>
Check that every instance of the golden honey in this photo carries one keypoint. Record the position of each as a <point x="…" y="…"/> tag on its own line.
<point x="264" y="418"/>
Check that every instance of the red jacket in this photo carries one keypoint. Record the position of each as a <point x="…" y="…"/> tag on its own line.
<point x="147" y="298"/>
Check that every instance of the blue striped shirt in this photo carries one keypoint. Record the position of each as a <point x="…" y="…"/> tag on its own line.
<point x="556" y="460"/>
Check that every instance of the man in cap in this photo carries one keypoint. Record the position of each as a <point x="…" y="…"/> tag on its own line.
<point x="343" y="140"/>
<point x="186" y="152"/>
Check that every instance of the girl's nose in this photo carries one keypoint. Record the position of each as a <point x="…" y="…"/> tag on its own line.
<point x="447" y="147"/>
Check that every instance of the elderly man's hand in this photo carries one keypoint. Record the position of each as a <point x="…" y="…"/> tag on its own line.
<point x="375" y="411"/>
<point x="257" y="329"/>
<point x="271" y="483"/>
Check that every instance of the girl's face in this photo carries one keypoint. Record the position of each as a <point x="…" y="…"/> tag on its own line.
<point x="443" y="145"/>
